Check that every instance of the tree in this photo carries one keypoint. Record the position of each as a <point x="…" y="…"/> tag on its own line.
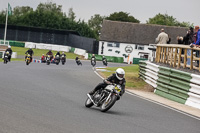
<point x="165" y="19"/>
<point x="18" y="11"/>
<point x="122" y="16"/>
<point x="71" y="14"/>
<point x="95" y="23"/>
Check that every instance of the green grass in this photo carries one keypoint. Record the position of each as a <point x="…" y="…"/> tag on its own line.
<point x="39" y="52"/>
<point x="131" y="76"/>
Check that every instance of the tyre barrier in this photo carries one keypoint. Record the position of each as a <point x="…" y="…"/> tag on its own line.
<point x="172" y="84"/>
<point x="36" y="61"/>
<point x="109" y="58"/>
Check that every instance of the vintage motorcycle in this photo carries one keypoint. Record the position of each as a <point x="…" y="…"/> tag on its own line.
<point x="104" y="98"/>
<point x="63" y="59"/>
<point x="6" y="57"/>
<point x="93" y="62"/>
<point x="48" y="59"/>
<point x="57" y="59"/>
<point x="105" y="62"/>
<point x="28" y="59"/>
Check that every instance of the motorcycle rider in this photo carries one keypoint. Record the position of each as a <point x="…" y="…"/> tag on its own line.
<point x="78" y="62"/>
<point x="43" y="59"/>
<point x="93" y="58"/>
<point x="50" y="53"/>
<point x="104" y="59"/>
<point x="10" y="52"/>
<point x="58" y="53"/>
<point x="30" y="52"/>
<point x="116" y="78"/>
<point x="63" y="54"/>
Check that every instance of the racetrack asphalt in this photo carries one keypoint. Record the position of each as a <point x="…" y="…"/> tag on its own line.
<point x="50" y="99"/>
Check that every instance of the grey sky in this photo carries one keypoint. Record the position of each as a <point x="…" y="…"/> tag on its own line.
<point x="182" y="10"/>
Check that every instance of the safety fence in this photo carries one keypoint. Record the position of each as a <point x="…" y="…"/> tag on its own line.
<point x="172" y="84"/>
<point x="177" y="55"/>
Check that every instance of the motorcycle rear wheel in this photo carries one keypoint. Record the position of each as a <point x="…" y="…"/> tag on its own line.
<point x="107" y="105"/>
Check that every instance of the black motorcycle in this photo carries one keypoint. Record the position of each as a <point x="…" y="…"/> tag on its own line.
<point x="63" y="59"/>
<point x="105" y="62"/>
<point x="104" y="98"/>
<point x="57" y="59"/>
<point x="6" y="57"/>
<point x="93" y="62"/>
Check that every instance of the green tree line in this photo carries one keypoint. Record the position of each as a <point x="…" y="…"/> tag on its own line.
<point x="49" y="15"/>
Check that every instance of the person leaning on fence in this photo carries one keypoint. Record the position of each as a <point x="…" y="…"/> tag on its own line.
<point x="162" y="38"/>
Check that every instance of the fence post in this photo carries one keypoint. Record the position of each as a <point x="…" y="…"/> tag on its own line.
<point x="171" y="56"/>
<point x="191" y="58"/>
<point x="175" y="57"/>
<point x="185" y="58"/>
<point x="179" y="57"/>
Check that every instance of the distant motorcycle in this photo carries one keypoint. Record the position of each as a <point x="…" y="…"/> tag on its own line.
<point x="28" y="59"/>
<point x="104" y="98"/>
<point x="6" y="57"/>
<point x="93" y="62"/>
<point x="48" y="59"/>
<point x="63" y="59"/>
<point x="78" y="62"/>
<point x="57" y="59"/>
<point x="105" y="62"/>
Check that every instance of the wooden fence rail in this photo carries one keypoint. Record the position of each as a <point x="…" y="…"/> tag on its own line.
<point x="177" y="55"/>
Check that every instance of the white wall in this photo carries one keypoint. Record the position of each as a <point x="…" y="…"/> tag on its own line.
<point x="121" y="49"/>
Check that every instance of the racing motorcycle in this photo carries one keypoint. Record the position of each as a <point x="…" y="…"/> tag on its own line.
<point x="57" y="59"/>
<point x="6" y="57"/>
<point x="105" y="62"/>
<point x="48" y="59"/>
<point x="93" y="62"/>
<point x="63" y="59"/>
<point x="104" y="98"/>
<point x="28" y="59"/>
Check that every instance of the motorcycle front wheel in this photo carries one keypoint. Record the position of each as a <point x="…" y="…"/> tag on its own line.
<point x="88" y="103"/>
<point x="107" y="105"/>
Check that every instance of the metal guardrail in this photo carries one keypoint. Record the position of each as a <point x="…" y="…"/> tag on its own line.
<point x="177" y="55"/>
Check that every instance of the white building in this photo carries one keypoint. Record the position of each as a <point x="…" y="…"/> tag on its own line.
<point x="121" y="39"/>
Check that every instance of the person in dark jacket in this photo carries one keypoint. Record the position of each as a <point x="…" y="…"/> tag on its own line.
<point x="188" y="38"/>
<point x="10" y="52"/>
<point x="50" y="53"/>
<point x="115" y="78"/>
<point x="30" y="52"/>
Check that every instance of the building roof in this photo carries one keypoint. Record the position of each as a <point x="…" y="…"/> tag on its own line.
<point x="134" y="33"/>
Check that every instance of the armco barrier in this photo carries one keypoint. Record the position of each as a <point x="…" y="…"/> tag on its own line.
<point x="172" y="84"/>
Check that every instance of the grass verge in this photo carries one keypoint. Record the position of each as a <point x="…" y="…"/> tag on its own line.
<point x="131" y="76"/>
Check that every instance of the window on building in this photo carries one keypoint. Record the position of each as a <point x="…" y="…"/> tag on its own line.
<point x="113" y="45"/>
<point x="141" y="47"/>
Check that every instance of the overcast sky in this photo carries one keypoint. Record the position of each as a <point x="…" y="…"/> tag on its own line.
<point x="182" y="10"/>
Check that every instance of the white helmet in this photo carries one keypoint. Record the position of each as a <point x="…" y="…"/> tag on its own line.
<point x="120" y="73"/>
<point x="9" y="46"/>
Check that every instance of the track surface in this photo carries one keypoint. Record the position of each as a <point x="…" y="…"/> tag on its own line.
<point x="50" y="99"/>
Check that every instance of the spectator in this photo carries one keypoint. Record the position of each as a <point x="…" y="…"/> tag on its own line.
<point x="197" y="44"/>
<point x="180" y="39"/>
<point x="188" y="38"/>
<point x="169" y="41"/>
<point x="195" y="33"/>
<point x="162" y="38"/>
